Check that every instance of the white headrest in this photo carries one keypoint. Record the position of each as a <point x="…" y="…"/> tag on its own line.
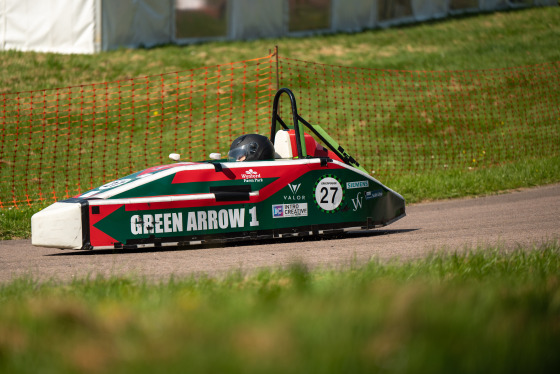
<point x="282" y="145"/>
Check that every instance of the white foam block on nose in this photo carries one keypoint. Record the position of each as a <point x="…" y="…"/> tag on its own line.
<point x="59" y="226"/>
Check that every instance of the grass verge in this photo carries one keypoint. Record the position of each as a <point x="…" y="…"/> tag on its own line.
<point x="477" y="182"/>
<point x="482" y="310"/>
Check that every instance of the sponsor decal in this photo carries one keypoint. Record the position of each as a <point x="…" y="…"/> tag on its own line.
<point x="278" y="210"/>
<point x="202" y="220"/>
<point x="373" y="194"/>
<point x="328" y="193"/>
<point x="358" y="184"/>
<point x="358" y="201"/>
<point x="289" y="210"/>
<point x="294" y="188"/>
<point x="251" y="176"/>
<point x="113" y="184"/>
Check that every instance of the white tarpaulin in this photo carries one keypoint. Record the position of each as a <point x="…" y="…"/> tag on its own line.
<point x="63" y="26"/>
<point x="88" y="26"/>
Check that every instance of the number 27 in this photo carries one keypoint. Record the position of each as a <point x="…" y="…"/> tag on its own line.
<point x="326" y="194"/>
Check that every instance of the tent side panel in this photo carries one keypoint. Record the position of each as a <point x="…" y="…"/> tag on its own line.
<point x="60" y="26"/>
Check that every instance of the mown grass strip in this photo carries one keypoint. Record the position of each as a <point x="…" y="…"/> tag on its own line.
<point x="479" y="310"/>
<point x="447" y="184"/>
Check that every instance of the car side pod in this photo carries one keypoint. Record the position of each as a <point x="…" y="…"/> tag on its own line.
<point x="58" y="226"/>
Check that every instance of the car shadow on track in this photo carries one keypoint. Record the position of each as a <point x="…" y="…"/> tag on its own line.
<point x="246" y="243"/>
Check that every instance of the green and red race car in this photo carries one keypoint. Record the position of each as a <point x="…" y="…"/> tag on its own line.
<point x="296" y="187"/>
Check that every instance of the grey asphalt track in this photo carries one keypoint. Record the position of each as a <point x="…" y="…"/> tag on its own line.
<point x="530" y="217"/>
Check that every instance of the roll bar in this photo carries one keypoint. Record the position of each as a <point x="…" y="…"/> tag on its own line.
<point x="299" y="130"/>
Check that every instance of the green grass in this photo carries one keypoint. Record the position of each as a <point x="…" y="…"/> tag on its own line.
<point x="476" y="182"/>
<point x="15" y="223"/>
<point x="480" y="310"/>
<point x="487" y="41"/>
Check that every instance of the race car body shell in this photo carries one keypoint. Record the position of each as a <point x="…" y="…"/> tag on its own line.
<point x="190" y="202"/>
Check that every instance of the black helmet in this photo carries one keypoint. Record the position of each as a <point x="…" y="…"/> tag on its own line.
<point x="251" y="147"/>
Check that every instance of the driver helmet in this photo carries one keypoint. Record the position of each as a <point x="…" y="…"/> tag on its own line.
<point x="251" y="147"/>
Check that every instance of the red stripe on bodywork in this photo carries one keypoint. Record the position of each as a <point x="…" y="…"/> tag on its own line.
<point x="97" y="237"/>
<point x="284" y="174"/>
<point x="206" y="175"/>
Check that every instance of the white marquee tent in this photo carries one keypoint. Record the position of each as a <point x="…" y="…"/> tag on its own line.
<point x="89" y="26"/>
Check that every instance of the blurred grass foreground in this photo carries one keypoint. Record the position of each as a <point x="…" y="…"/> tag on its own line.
<point x="483" y="310"/>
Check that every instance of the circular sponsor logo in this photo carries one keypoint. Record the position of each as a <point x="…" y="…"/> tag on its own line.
<point x="328" y="193"/>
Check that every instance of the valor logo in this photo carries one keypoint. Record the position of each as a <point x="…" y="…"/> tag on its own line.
<point x="359" y="184"/>
<point x="294" y="188"/>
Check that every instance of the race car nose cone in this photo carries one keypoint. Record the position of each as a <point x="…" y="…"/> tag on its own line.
<point x="58" y="226"/>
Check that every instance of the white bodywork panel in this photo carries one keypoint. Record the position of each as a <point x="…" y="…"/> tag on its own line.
<point x="58" y="226"/>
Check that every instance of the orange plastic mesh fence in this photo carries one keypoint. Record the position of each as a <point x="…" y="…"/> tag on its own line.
<point x="400" y="122"/>
<point x="57" y="143"/>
